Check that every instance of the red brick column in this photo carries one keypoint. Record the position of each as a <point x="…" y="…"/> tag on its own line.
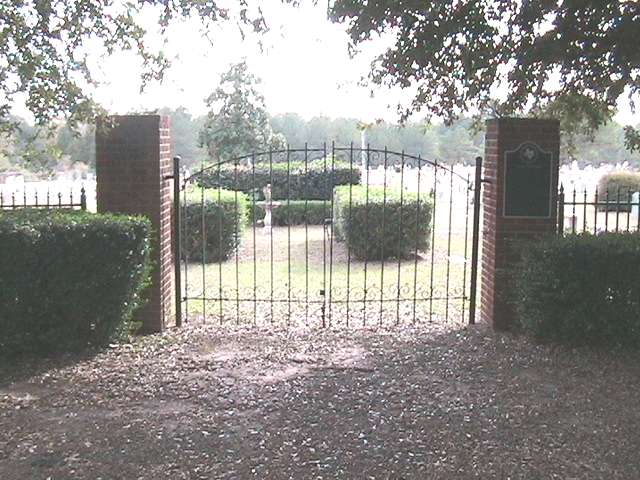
<point x="133" y="158"/>
<point x="502" y="234"/>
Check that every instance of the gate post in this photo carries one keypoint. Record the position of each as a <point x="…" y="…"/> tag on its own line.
<point x="133" y="167"/>
<point x="519" y="199"/>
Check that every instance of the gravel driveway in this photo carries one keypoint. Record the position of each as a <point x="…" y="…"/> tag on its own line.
<point x="433" y="402"/>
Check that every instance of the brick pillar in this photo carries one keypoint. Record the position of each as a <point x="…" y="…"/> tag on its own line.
<point x="513" y="202"/>
<point x="133" y="158"/>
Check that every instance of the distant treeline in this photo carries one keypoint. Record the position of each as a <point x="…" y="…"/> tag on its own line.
<point x="43" y="152"/>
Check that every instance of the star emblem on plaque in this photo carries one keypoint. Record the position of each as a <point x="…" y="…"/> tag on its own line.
<point x="527" y="182"/>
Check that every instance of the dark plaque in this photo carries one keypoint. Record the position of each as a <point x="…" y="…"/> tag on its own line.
<point x="527" y="182"/>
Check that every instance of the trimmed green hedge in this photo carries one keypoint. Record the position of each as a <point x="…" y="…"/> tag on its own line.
<point x="581" y="289"/>
<point x="407" y="226"/>
<point x="295" y="212"/>
<point x="313" y="182"/>
<point x="69" y="280"/>
<point x="625" y="182"/>
<point x="225" y="217"/>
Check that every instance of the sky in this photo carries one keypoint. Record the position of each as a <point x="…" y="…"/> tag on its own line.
<point x="304" y="64"/>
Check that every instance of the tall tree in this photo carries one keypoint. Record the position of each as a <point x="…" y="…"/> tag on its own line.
<point x="574" y="59"/>
<point x="44" y="54"/>
<point x="77" y="145"/>
<point x="237" y="123"/>
<point x="185" y="131"/>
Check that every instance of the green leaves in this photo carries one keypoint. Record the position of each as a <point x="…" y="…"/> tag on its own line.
<point x="381" y="223"/>
<point x="214" y="221"/>
<point x="581" y="289"/>
<point x="296" y="212"/>
<point x="237" y="123"/>
<point x="618" y="187"/>
<point x="74" y="279"/>
<point x="45" y="47"/>
<point x="292" y="180"/>
<point x="457" y="55"/>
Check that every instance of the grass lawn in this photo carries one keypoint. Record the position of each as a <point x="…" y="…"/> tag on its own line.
<point x="299" y="263"/>
<point x="439" y="402"/>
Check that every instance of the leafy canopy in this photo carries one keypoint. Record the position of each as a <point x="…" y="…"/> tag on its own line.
<point x="238" y="123"/>
<point x="45" y="48"/>
<point x="573" y="59"/>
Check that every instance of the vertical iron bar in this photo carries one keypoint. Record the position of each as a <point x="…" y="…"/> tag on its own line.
<point x="237" y="236"/>
<point x="434" y="195"/>
<point x="618" y="209"/>
<point x="186" y="252"/>
<point x="271" y="233"/>
<point x="606" y="211"/>
<point x="203" y="240"/>
<point x="220" y="209"/>
<point x="584" y="212"/>
<point x="466" y="249"/>
<point x="333" y="170"/>
<point x="401" y="233"/>
<point x="574" y="219"/>
<point x="475" y="242"/>
<point x="595" y="212"/>
<point x="446" y="308"/>
<point x="346" y="240"/>
<point x="382" y="241"/>
<point x="638" y="215"/>
<point x="415" y="256"/>
<point x="366" y="235"/>
<point x="629" y="200"/>
<point x="306" y="233"/>
<point x="323" y="292"/>
<point x="288" y="235"/>
<point x="253" y="223"/>
<point x="177" y="252"/>
<point x="561" y="211"/>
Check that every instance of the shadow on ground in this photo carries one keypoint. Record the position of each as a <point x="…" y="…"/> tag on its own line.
<point x="424" y="402"/>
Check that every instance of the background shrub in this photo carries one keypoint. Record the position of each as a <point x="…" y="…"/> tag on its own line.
<point x="69" y="280"/>
<point x="225" y="217"/>
<point x="295" y="212"/>
<point x="625" y="182"/>
<point x="581" y="289"/>
<point x="296" y="183"/>
<point x="404" y="226"/>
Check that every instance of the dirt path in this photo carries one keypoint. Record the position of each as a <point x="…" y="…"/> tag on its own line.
<point x="203" y="403"/>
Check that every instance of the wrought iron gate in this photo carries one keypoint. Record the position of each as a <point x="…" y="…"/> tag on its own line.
<point x="327" y="236"/>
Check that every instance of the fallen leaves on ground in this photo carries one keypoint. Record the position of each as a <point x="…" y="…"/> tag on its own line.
<point x="219" y="402"/>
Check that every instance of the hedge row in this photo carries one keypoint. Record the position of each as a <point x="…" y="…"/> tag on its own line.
<point x="376" y="225"/>
<point x="69" y="280"/>
<point x="224" y="214"/>
<point x="581" y="289"/>
<point x="618" y="186"/>
<point x="296" y="212"/>
<point x="314" y="181"/>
